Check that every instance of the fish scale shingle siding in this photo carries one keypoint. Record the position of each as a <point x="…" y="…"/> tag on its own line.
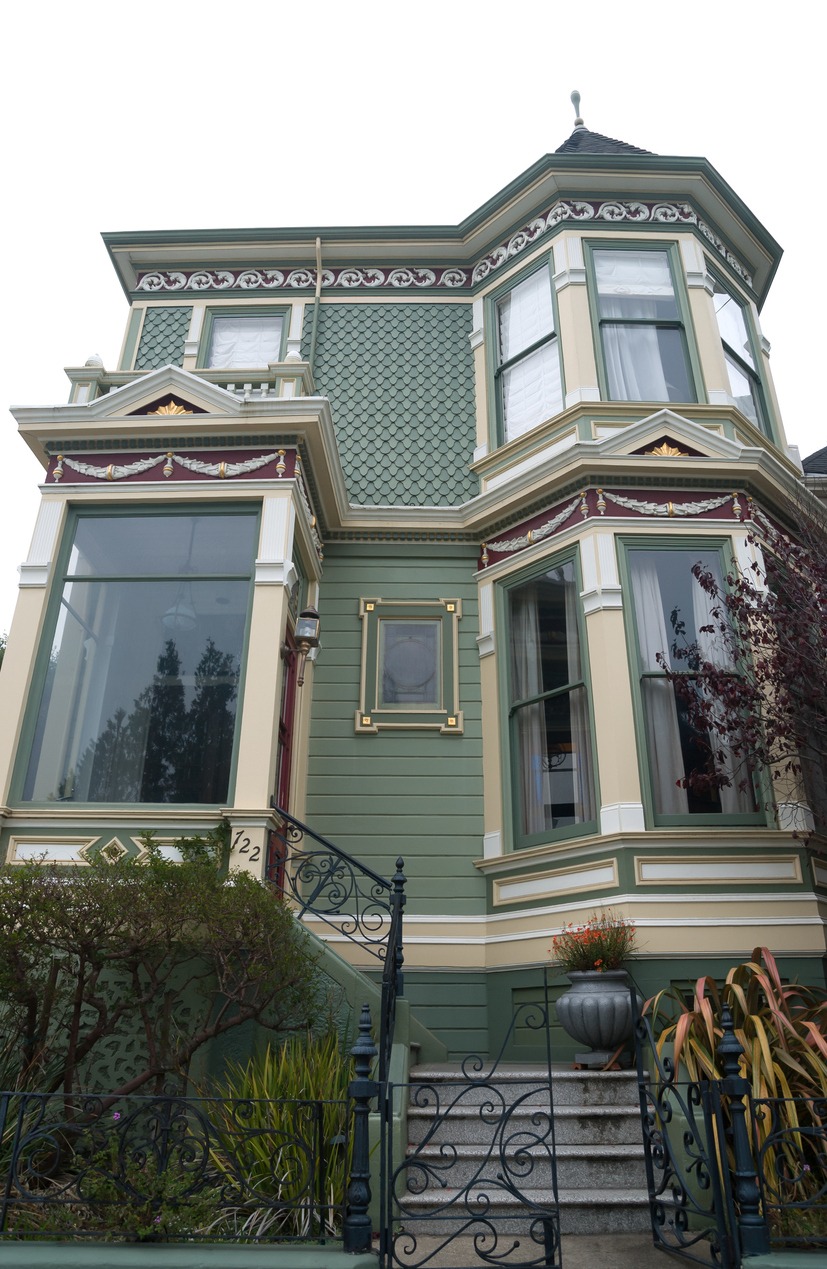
<point x="400" y="378"/>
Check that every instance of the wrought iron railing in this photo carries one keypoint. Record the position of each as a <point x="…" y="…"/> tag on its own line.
<point x="790" y="1148"/>
<point x="172" y="1168"/>
<point x="729" y="1176"/>
<point x="353" y="900"/>
<point x="500" y="1192"/>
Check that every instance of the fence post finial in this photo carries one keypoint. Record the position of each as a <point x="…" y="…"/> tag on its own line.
<point x="356" y="1228"/>
<point x="752" y="1227"/>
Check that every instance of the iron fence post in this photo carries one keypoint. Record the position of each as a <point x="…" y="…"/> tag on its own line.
<point x="752" y="1226"/>
<point x="356" y="1228"/>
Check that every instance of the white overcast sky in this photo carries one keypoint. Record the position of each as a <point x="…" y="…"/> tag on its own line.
<point x="182" y="116"/>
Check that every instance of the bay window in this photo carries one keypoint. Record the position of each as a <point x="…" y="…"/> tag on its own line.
<point x="528" y="357"/>
<point x="552" y="771"/>
<point x="744" y="381"/>
<point x="672" y="610"/>
<point x="642" y="335"/>
<point x="140" y="689"/>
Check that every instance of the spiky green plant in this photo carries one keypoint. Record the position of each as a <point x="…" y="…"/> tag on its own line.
<point x="296" y="1152"/>
<point x="782" y="1028"/>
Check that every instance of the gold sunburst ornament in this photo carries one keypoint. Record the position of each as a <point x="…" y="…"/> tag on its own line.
<point x="665" y="450"/>
<point x="171" y="407"/>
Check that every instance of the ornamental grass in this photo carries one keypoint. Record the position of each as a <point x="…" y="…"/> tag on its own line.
<point x="604" y="942"/>
<point x="782" y="1028"/>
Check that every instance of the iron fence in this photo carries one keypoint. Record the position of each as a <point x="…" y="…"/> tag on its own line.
<point x="352" y="899"/>
<point x="173" y="1168"/>
<point x="790" y="1148"/>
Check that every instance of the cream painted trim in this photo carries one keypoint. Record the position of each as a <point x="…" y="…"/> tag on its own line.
<point x="794" y="817"/>
<point x="529" y="464"/>
<point x="712" y="869"/>
<point x="33" y="574"/>
<point x="276" y="573"/>
<point x="480" y="451"/>
<point x="49" y="850"/>
<point x="578" y="395"/>
<point x="598" y="875"/>
<point x="485" y="638"/>
<point x="165" y="849"/>
<point x="819" y="868"/>
<point x="492" y="844"/>
<point x="622" y="817"/>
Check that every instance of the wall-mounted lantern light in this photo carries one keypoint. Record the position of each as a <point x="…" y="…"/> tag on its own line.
<point x="308" y="627"/>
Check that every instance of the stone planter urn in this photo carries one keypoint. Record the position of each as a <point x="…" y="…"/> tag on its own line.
<point x="597" y="1012"/>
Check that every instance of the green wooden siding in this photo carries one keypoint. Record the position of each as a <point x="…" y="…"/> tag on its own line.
<point x="400" y="378"/>
<point x="417" y="794"/>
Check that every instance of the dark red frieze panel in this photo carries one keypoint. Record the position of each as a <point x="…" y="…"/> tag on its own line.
<point x="172" y="466"/>
<point x="596" y="502"/>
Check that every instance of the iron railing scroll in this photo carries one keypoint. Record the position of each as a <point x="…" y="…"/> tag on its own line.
<point x="790" y="1144"/>
<point x="499" y="1194"/>
<point x="690" y="1198"/>
<point x="172" y="1169"/>
<point x="352" y="899"/>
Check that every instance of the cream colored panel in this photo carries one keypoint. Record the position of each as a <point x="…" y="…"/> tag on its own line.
<point x="713" y="869"/>
<point x="617" y="764"/>
<point x="49" y="850"/>
<point x="593" y="876"/>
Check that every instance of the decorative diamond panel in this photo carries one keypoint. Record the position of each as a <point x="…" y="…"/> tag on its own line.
<point x="162" y="338"/>
<point x="400" y="378"/>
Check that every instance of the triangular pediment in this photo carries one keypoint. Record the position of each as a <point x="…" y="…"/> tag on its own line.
<point x="169" y="390"/>
<point x="666" y="435"/>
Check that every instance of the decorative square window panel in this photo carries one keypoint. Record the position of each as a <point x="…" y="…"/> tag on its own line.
<point x="409" y="673"/>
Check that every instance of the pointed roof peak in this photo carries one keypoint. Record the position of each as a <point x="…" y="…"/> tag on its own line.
<point x="582" y="141"/>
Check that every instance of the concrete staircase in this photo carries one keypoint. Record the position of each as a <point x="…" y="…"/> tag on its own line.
<point x="599" y="1148"/>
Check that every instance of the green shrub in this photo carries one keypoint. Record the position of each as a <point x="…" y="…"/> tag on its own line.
<point x="295" y="1158"/>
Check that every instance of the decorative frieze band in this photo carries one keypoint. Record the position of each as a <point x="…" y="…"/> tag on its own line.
<point x="221" y="470"/>
<point x="614" y="212"/>
<point x="413" y="277"/>
<point x="592" y="502"/>
<point x="401" y="278"/>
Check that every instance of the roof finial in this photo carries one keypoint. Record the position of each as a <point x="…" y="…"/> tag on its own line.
<point x="575" y="101"/>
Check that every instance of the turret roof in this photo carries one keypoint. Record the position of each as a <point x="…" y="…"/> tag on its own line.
<point x="582" y="141"/>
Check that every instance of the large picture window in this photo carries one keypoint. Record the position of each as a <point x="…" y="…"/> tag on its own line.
<point x="641" y="330"/>
<point x="672" y="610"/>
<point x="528" y="356"/>
<point x="551" y="753"/>
<point x="140" y="693"/>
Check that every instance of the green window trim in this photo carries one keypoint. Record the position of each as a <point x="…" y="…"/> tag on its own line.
<point x="25" y="771"/>
<point x="618" y="362"/>
<point x="743" y="361"/>
<point x="573" y="764"/>
<point x="649" y="754"/>
<point x="434" y="631"/>
<point x="211" y="314"/>
<point x="503" y="368"/>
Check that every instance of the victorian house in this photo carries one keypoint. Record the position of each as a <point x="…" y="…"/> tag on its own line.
<point x="488" y="454"/>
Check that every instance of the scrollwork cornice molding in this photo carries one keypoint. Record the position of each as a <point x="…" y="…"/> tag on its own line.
<point x="454" y="278"/>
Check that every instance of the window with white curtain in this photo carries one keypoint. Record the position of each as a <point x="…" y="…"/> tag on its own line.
<point x="641" y="329"/>
<point x="552" y="769"/>
<point x="244" y="340"/>
<point x="528" y="356"/>
<point x="744" y="380"/>
<point x="672" y="611"/>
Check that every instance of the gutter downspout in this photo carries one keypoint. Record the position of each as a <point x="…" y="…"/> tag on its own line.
<point x="315" y="327"/>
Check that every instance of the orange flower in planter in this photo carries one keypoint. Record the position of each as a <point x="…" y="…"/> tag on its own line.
<point x="603" y="943"/>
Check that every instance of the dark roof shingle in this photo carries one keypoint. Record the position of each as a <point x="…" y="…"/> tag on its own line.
<point x="582" y="141"/>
